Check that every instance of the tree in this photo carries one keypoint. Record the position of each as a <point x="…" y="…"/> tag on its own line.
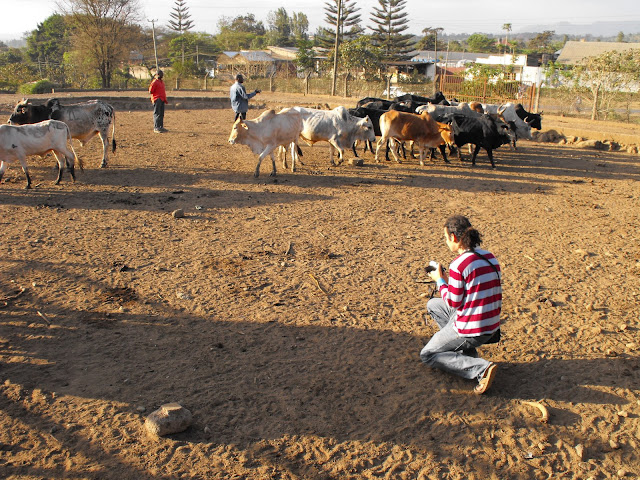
<point x="105" y="32"/>
<point x="299" y="26"/>
<point x="361" y="55"/>
<point x="279" y="28"/>
<point x="430" y="39"/>
<point x="542" y="42"/>
<point x="48" y="42"/>
<point x="181" y="22"/>
<point x="348" y="27"/>
<point x="305" y="61"/>
<point x="606" y="75"/>
<point x="507" y="28"/>
<point x="480" y="43"/>
<point x="241" y="32"/>
<point x="391" y="20"/>
<point x="620" y="37"/>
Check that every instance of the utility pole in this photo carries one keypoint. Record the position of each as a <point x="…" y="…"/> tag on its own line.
<point x="155" y="49"/>
<point x="335" y="48"/>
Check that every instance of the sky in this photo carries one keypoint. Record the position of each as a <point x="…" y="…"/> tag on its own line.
<point x="455" y="16"/>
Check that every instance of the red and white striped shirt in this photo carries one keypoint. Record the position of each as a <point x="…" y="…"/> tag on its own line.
<point x="475" y="291"/>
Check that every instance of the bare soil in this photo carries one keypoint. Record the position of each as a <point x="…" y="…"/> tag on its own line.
<point x="286" y="313"/>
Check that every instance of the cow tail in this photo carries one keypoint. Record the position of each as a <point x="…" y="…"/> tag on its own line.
<point x="299" y="150"/>
<point x="113" y="134"/>
<point x="77" y="160"/>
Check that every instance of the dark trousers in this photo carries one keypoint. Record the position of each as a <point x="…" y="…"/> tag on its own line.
<point x="158" y="114"/>
<point x="242" y="115"/>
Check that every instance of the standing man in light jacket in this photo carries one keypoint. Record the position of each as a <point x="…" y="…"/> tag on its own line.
<point x="158" y="98"/>
<point x="240" y="98"/>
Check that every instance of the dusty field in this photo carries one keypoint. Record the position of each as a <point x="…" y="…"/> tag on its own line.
<point x="287" y="314"/>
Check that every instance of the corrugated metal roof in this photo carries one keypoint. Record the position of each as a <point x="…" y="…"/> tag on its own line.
<point x="256" y="56"/>
<point x="430" y="55"/>
<point x="573" y="52"/>
<point x="230" y="54"/>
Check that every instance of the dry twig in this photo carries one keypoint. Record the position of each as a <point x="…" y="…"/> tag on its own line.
<point x="318" y="285"/>
<point x="5" y="301"/>
<point x="44" y="317"/>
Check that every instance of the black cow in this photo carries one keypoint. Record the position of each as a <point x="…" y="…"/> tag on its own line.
<point x="482" y="132"/>
<point x="379" y="103"/>
<point x="534" y="120"/>
<point x="437" y="99"/>
<point x="84" y="120"/>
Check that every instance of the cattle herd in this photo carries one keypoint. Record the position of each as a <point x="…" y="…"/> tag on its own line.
<point x="425" y="122"/>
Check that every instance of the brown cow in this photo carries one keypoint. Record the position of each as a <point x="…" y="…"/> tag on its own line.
<point x="421" y="129"/>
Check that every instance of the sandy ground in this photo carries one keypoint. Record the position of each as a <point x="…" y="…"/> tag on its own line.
<point x="287" y="313"/>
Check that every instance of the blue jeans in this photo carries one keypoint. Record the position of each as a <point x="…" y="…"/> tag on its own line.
<point x="158" y="114"/>
<point x="449" y="351"/>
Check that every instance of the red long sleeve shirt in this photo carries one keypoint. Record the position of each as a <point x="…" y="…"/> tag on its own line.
<point x="157" y="91"/>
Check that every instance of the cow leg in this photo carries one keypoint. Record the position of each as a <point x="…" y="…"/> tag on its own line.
<point x="443" y="151"/>
<point x="105" y="148"/>
<point x="282" y="151"/>
<point x="395" y="150"/>
<point x="25" y="169"/>
<point x="490" y="155"/>
<point x="379" y="144"/>
<point x="404" y="151"/>
<point x="475" y="154"/>
<point x="264" y="153"/>
<point x="422" y="149"/>
<point x="273" y="165"/>
<point x="340" y="153"/>
<point x="59" y="157"/>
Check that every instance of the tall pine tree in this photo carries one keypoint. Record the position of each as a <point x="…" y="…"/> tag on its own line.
<point x="349" y="24"/>
<point x="391" y="20"/>
<point x="181" y="22"/>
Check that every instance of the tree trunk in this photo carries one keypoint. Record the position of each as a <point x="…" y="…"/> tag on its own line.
<point x="596" y="98"/>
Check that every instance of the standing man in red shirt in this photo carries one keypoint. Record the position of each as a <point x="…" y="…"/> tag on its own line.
<point x="158" y="98"/>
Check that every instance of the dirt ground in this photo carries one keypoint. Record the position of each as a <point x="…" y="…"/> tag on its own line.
<point x="286" y="313"/>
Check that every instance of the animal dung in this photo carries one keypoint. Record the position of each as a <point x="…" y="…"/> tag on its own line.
<point x="169" y="418"/>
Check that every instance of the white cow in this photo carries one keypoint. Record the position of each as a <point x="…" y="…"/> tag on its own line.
<point x="268" y="132"/>
<point x="19" y="142"/>
<point x="336" y="126"/>
<point x="508" y="112"/>
<point x="85" y="120"/>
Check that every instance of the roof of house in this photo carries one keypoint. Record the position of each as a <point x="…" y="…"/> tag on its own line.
<point x="257" y="56"/>
<point x="430" y="55"/>
<point x="573" y="51"/>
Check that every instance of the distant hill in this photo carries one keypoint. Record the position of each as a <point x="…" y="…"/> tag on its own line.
<point x="597" y="29"/>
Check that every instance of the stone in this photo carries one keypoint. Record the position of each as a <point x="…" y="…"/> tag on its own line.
<point x="169" y="418"/>
<point x="357" y="162"/>
<point x="179" y="213"/>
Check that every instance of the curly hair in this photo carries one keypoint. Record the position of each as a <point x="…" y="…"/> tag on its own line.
<point x="468" y="236"/>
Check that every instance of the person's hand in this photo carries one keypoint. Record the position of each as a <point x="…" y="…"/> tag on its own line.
<point x="258" y="91"/>
<point x="436" y="274"/>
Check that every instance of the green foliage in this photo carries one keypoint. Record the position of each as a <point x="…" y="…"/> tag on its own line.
<point x="390" y="21"/>
<point x="279" y="28"/>
<point x="605" y="76"/>
<point x="349" y="24"/>
<point x="361" y="55"/>
<point x="542" y="42"/>
<point x="49" y="41"/>
<point x="180" y="18"/>
<point x="428" y="42"/>
<point x="305" y="56"/>
<point x="11" y="74"/>
<point x="480" y="43"/>
<point x="40" y="86"/>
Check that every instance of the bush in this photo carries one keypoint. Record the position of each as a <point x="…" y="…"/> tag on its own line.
<point x="41" y="86"/>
